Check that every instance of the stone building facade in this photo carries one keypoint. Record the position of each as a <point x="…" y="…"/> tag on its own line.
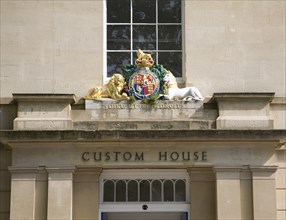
<point x="64" y="157"/>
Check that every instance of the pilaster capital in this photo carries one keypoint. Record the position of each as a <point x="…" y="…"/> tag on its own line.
<point x="271" y="169"/>
<point x="263" y="172"/>
<point x="87" y="174"/>
<point x="202" y="169"/>
<point x="30" y="170"/>
<point x="67" y="169"/>
<point x="227" y="169"/>
<point x="227" y="173"/>
<point x="88" y="169"/>
<point x="201" y="174"/>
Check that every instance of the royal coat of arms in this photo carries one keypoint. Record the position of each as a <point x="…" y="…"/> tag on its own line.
<point x="144" y="81"/>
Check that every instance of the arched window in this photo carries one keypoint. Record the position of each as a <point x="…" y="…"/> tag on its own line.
<point x="144" y="190"/>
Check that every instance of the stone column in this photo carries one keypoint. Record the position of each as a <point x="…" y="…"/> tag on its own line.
<point x="264" y="192"/>
<point x="27" y="198"/>
<point x="228" y="193"/>
<point x="86" y="192"/>
<point x="60" y="193"/>
<point x="202" y="193"/>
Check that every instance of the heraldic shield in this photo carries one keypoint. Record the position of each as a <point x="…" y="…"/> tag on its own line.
<point x="144" y="83"/>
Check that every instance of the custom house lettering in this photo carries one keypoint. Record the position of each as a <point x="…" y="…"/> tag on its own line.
<point x="163" y="156"/>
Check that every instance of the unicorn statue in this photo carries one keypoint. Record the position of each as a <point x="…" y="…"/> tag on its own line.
<point x="172" y="92"/>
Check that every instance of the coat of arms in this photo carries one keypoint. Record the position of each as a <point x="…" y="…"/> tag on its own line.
<point x="144" y="81"/>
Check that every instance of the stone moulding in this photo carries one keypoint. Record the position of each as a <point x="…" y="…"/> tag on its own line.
<point x="144" y="135"/>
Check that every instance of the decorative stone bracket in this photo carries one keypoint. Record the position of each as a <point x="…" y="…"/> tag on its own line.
<point x="244" y="110"/>
<point x="44" y="111"/>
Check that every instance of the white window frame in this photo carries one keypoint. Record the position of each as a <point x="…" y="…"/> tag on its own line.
<point x="179" y="79"/>
<point x="144" y="174"/>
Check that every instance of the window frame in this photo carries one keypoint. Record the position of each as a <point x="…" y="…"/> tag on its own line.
<point x="179" y="79"/>
<point x="145" y="174"/>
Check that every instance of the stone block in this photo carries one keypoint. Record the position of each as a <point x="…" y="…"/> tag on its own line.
<point x="108" y="109"/>
<point x="281" y="178"/>
<point x="244" y="110"/>
<point x="42" y="124"/>
<point x="43" y="111"/>
<point x="277" y="112"/>
<point x="281" y="198"/>
<point x="281" y="214"/>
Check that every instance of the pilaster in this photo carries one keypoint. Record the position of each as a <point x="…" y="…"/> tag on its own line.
<point x="28" y="193"/>
<point x="264" y="192"/>
<point x="86" y="195"/>
<point x="228" y="197"/>
<point x="60" y="193"/>
<point x="202" y="193"/>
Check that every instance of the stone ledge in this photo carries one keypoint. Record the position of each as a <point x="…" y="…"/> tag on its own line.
<point x="38" y="97"/>
<point x="244" y="95"/>
<point x="42" y="124"/>
<point x="144" y="135"/>
<point x="144" y="125"/>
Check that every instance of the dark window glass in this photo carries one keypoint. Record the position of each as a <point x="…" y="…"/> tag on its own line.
<point x="156" y="191"/>
<point x="170" y="37"/>
<point x="180" y="189"/>
<point x="115" y="62"/>
<point x="108" y="195"/>
<point x="169" y="11"/>
<point x="118" y="37"/>
<point x="118" y="11"/>
<point x="121" y="191"/>
<point x="144" y="37"/>
<point x="132" y="191"/>
<point x="144" y="191"/>
<point x="168" y="191"/>
<point x="171" y="61"/>
<point x="144" y="11"/>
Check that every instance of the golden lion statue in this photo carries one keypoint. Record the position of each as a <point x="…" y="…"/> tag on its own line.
<point x="113" y="89"/>
<point x="144" y="59"/>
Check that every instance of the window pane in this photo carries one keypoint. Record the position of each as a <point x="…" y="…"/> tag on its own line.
<point x="168" y="191"/>
<point x="118" y="37"/>
<point x="121" y="191"/>
<point x="144" y="37"/>
<point x="171" y="61"/>
<point x="132" y="191"/>
<point x="144" y="11"/>
<point x="169" y="11"/>
<point x="156" y="191"/>
<point x="144" y="191"/>
<point x="180" y="188"/>
<point x="115" y="62"/>
<point x="108" y="195"/>
<point x="170" y="37"/>
<point x="118" y="11"/>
